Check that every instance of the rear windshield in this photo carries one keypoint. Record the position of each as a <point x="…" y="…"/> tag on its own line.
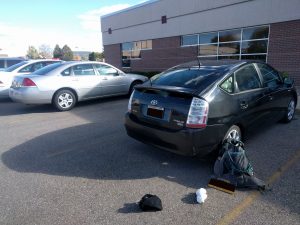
<point x="45" y="70"/>
<point x="187" y="78"/>
<point x="16" y="66"/>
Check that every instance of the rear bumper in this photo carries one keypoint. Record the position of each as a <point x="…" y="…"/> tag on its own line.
<point x="186" y="141"/>
<point x="30" y="95"/>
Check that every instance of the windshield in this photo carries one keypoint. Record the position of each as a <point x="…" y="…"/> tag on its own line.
<point x="45" y="70"/>
<point x="187" y="78"/>
<point x="16" y="66"/>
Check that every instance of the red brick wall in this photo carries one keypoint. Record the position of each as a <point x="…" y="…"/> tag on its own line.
<point x="113" y="55"/>
<point x="284" y="48"/>
<point x="165" y="53"/>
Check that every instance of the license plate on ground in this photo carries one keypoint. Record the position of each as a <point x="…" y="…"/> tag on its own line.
<point x="156" y="112"/>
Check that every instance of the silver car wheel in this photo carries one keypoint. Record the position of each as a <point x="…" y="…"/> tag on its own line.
<point x="234" y="134"/>
<point x="291" y="110"/>
<point x="65" y="100"/>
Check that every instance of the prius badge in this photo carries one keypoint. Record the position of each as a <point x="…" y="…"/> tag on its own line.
<point x="153" y="102"/>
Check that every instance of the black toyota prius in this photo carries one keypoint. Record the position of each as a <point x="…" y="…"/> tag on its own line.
<point x="191" y="108"/>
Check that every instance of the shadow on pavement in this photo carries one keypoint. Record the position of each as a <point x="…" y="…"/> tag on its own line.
<point x="97" y="151"/>
<point x="130" y="208"/>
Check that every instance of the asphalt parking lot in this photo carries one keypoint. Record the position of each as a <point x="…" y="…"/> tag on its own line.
<point x="80" y="167"/>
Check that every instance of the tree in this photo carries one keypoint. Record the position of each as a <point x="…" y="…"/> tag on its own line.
<point x="67" y="53"/>
<point x="45" y="52"/>
<point x="32" y="53"/>
<point x="57" y="52"/>
<point x="96" y="56"/>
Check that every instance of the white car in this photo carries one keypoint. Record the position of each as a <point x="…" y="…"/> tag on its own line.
<point x="64" y="84"/>
<point x="22" y="68"/>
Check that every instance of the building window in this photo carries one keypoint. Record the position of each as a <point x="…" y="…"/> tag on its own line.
<point x="189" y="40"/>
<point x="132" y="50"/>
<point x="244" y="43"/>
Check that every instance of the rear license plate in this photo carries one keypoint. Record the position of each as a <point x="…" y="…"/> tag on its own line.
<point x="156" y="112"/>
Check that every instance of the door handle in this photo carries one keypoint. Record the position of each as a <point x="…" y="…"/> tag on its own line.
<point x="104" y="78"/>
<point x="244" y="105"/>
<point x="270" y="97"/>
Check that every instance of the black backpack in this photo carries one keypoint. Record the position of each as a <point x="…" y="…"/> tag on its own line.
<point x="234" y="166"/>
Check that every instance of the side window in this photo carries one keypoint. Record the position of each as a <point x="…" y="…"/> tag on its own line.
<point x="270" y="76"/>
<point x="227" y="85"/>
<point x="83" y="70"/>
<point x="247" y="78"/>
<point x="106" y="70"/>
<point x="26" y="69"/>
<point x="66" y="72"/>
<point x="37" y="66"/>
<point x="48" y="63"/>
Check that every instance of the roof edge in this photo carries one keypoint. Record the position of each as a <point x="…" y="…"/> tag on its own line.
<point x="130" y="8"/>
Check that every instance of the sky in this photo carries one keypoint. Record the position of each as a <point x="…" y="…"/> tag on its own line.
<point x="25" y="23"/>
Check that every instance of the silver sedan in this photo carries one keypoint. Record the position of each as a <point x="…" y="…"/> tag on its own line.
<point x="64" y="84"/>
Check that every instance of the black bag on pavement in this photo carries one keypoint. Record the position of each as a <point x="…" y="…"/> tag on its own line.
<point x="150" y="203"/>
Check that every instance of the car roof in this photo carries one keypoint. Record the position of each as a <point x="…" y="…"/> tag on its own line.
<point x="42" y="60"/>
<point x="80" y="62"/>
<point x="213" y="64"/>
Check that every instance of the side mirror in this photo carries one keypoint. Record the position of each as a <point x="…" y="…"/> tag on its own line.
<point x="288" y="81"/>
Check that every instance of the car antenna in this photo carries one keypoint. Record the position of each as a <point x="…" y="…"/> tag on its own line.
<point x="199" y="63"/>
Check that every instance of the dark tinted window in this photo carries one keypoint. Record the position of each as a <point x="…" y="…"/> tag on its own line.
<point x="12" y="62"/>
<point x="1" y="63"/>
<point x="255" y="33"/>
<point x="270" y="76"/>
<point x="207" y="38"/>
<point x="83" y="70"/>
<point x="189" y="40"/>
<point x="230" y="35"/>
<point x="16" y="66"/>
<point x="187" y="78"/>
<point x="254" y="47"/>
<point x="247" y="78"/>
<point x="47" y="69"/>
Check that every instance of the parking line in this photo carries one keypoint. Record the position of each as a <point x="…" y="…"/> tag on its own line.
<point x="240" y="208"/>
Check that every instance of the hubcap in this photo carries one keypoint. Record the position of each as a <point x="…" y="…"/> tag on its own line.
<point x="291" y="110"/>
<point x="65" y="100"/>
<point x="234" y="134"/>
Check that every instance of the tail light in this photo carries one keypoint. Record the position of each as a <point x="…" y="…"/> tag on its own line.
<point x="1" y="82"/>
<point x="28" y="83"/>
<point x="130" y="102"/>
<point x="198" y="113"/>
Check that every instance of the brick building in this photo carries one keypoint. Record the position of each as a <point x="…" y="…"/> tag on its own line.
<point x="159" y="34"/>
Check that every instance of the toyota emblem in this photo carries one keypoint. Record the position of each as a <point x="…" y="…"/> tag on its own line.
<point x="153" y="102"/>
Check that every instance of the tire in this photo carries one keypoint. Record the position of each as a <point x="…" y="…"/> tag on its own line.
<point x="234" y="132"/>
<point x="134" y="83"/>
<point x="64" y="100"/>
<point x="290" y="111"/>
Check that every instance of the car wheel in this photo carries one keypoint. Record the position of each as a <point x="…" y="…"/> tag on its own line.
<point x="134" y="83"/>
<point x="234" y="132"/>
<point x="290" y="111"/>
<point x="64" y="100"/>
